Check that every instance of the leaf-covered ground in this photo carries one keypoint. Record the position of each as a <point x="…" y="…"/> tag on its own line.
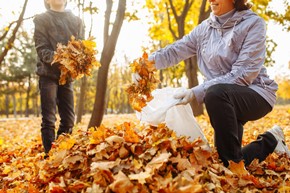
<point x="125" y="156"/>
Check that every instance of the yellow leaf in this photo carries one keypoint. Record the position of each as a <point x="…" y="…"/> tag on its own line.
<point x="7" y="170"/>
<point x="67" y="144"/>
<point x="89" y="44"/>
<point x="284" y="189"/>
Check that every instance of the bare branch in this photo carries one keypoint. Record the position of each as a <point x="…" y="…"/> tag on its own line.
<point x="10" y="25"/>
<point x="13" y="37"/>
<point x="169" y="22"/>
<point x="180" y="19"/>
<point x="173" y="9"/>
<point x="203" y="14"/>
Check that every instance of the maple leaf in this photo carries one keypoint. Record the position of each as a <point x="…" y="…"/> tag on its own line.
<point x="141" y="177"/>
<point x="202" y="157"/>
<point x="98" y="135"/>
<point x="104" y="165"/>
<point x="114" y="139"/>
<point x="103" y="178"/>
<point x="182" y="163"/>
<point x="130" y="135"/>
<point x="67" y="143"/>
<point x="122" y="184"/>
<point x="158" y="161"/>
<point x="238" y="168"/>
<point x="72" y="160"/>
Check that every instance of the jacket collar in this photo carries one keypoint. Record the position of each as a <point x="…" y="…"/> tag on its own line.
<point x="236" y="18"/>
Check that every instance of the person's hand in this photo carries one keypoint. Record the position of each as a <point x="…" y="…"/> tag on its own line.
<point x="185" y="96"/>
<point x="136" y="77"/>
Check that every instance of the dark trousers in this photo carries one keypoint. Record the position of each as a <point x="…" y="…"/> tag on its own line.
<point x="53" y="96"/>
<point x="229" y="107"/>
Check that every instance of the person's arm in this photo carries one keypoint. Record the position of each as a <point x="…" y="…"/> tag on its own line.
<point x="248" y="64"/>
<point x="42" y="45"/>
<point x="178" y="51"/>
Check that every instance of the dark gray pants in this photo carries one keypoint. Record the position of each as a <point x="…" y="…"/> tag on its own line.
<point x="229" y="107"/>
<point x="52" y="96"/>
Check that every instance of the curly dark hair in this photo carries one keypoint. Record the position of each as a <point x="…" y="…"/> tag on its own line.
<point x="241" y="5"/>
<point x="47" y="5"/>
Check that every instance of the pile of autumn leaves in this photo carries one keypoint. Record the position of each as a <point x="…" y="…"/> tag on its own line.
<point x="131" y="157"/>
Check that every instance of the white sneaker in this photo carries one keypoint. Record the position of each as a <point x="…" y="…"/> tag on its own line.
<point x="281" y="147"/>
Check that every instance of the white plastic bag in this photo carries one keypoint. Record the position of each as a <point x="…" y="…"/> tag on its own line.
<point x="155" y="111"/>
<point x="163" y="109"/>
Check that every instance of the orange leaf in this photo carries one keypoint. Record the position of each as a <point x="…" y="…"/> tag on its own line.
<point x="238" y="168"/>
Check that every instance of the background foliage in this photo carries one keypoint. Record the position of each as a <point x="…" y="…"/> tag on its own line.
<point x="19" y="94"/>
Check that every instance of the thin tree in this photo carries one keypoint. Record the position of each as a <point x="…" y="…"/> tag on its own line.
<point x="83" y="88"/>
<point x="110" y="41"/>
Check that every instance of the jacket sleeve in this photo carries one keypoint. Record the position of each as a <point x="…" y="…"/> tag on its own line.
<point x="248" y="64"/>
<point x="178" y="51"/>
<point x="43" y="48"/>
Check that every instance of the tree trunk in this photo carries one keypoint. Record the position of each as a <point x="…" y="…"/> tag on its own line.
<point x="203" y="13"/>
<point x="28" y="97"/>
<point x="80" y="107"/>
<point x="37" y="107"/>
<point x="7" y="105"/>
<point x="106" y="57"/>
<point x="191" y="73"/>
<point x="14" y="105"/>
<point x="20" y="104"/>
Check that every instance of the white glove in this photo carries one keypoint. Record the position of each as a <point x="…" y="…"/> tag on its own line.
<point x="136" y="78"/>
<point x="185" y="96"/>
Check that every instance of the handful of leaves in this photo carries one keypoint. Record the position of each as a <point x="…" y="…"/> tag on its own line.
<point x="140" y="94"/>
<point x="75" y="59"/>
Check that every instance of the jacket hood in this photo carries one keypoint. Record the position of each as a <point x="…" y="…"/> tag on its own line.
<point x="231" y="22"/>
